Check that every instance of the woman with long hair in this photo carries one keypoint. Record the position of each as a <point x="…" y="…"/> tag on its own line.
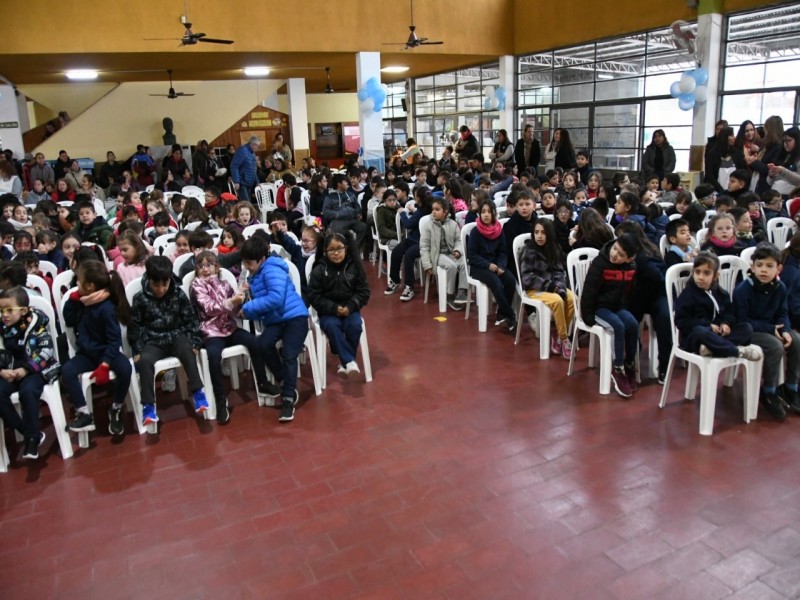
<point x="659" y="157"/>
<point x="722" y="160"/>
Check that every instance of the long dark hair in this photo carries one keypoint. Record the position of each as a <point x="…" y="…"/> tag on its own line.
<point x="551" y="249"/>
<point x="629" y="226"/>
<point x="790" y="158"/>
<point x="722" y="146"/>
<point x="593" y="227"/>
<point x="96" y="273"/>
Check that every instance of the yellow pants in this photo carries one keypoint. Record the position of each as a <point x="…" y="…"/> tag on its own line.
<point x="561" y="314"/>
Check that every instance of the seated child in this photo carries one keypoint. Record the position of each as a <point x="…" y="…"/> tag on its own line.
<point x="47" y="247"/>
<point x="548" y="205"/>
<point x="134" y="254"/>
<point x="23" y="242"/>
<point x="544" y="278"/>
<point x="386" y="219"/>
<point x="679" y="238"/>
<point x="722" y="236"/>
<point x="19" y="217"/>
<point x="440" y="246"/>
<point x="682" y="202"/>
<point x="762" y="301"/>
<point x="26" y="364"/>
<point x="706" y="195"/>
<point x="161" y="226"/>
<point x="773" y="205"/>
<point x="95" y="311"/>
<point x="201" y="240"/>
<point x="338" y="290"/>
<point x="744" y="227"/>
<point x="790" y="277"/>
<point x="704" y="315"/>
<point x="604" y="301"/>
<point x="31" y="262"/>
<point x="163" y="323"/>
<point x="563" y="224"/>
<point x="181" y="244"/>
<point x="695" y="216"/>
<point x="670" y="186"/>
<point x="273" y="300"/>
<point x="217" y="306"/>
<point x="244" y="215"/>
<point x="580" y="200"/>
<point x="520" y="222"/>
<point x="751" y="202"/>
<point x="90" y="227"/>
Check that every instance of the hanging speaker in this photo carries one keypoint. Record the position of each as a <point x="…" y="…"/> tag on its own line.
<point x="405" y="106"/>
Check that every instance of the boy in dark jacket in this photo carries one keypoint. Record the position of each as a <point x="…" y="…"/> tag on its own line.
<point x="761" y="300"/>
<point x="605" y="298"/>
<point x="521" y="222"/>
<point x="274" y="301"/>
<point x="164" y="323"/>
<point x="90" y="227"/>
<point x="28" y="352"/>
<point x="704" y="315"/>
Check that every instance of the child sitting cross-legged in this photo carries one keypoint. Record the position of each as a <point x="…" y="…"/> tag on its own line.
<point x="95" y="311"/>
<point x="762" y="301"/>
<point x="704" y="315"/>
<point x="163" y="323"/>
<point x="217" y="306"/>
<point x="544" y="278"/>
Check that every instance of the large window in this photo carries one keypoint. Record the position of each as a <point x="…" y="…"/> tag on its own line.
<point x="761" y="71"/>
<point x="445" y="102"/>
<point x="611" y="95"/>
<point x="394" y="118"/>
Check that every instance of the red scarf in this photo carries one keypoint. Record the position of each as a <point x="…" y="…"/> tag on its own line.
<point x="490" y="232"/>
<point x="719" y="243"/>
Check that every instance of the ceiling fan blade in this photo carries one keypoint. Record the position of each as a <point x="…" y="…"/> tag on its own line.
<point x="214" y="41"/>
<point x="427" y="43"/>
<point x="183" y="94"/>
<point x="161" y="95"/>
<point x="395" y="43"/>
<point x="161" y="39"/>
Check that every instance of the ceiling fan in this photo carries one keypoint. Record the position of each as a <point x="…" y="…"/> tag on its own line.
<point x="328" y="87"/>
<point x="413" y="40"/>
<point x="189" y="37"/>
<point x="172" y="94"/>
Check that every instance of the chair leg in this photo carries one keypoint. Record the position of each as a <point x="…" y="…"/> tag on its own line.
<point x="4" y="460"/>
<point x="708" y="399"/>
<point x="483" y="309"/>
<point x="312" y="353"/>
<point x="692" y="375"/>
<point x="545" y="316"/>
<point x="571" y="368"/>
<point x="605" y="365"/>
<point x="667" y="381"/>
<point x="441" y="286"/>
<point x="365" y="355"/>
<point x="520" y="314"/>
<point x="52" y="395"/>
<point x="753" y="385"/>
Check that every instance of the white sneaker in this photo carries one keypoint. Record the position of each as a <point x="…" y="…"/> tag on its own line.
<point x="168" y="383"/>
<point x="533" y="323"/>
<point x="342" y="371"/>
<point x="751" y="352"/>
<point x="352" y="367"/>
<point x="408" y="294"/>
<point x="226" y="369"/>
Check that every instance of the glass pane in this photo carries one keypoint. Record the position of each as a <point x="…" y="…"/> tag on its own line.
<point x="783" y="19"/>
<point x="422" y="83"/>
<point x="535" y="62"/>
<point x="576" y="120"/>
<point x="619" y="89"/>
<point x="621" y="115"/>
<point x="574" y="93"/>
<point x="538" y="79"/>
<point x="618" y="159"/>
<point x="537" y="96"/>
<point x="470" y="104"/>
<point x="572" y="75"/>
<point x="757" y="107"/>
<point x="425" y="108"/>
<point x="575" y="54"/>
<point x="665" y="113"/>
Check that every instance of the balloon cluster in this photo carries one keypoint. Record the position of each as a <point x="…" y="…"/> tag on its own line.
<point x="494" y="98"/>
<point x="691" y="88"/>
<point x="372" y="96"/>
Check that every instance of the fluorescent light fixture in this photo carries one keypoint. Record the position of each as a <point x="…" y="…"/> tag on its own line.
<point x="395" y="69"/>
<point x="256" y="71"/>
<point x="81" y="74"/>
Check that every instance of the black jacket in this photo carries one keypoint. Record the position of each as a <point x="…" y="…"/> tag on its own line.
<point x="713" y="161"/>
<point x="515" y="226"/>
<point x="694" y="308"/>
<point x="331" y="285"/>
<point x="649" y="285"/>
<point x="606" y="285"/>
<point x="519" y="156"/>
<point x="565" y="158"/>
<point x="97" y="331"/>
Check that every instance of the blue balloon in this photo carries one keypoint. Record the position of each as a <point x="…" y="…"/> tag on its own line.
<point x="487" y="103"/>
<point x="379" y="96"/>
<point x="700" y="75"/>
<point x="363" y="94"/>
<point x="686" y="101"/>
<point x="502" y="104"/>
<point x="500" y="93"/>
<point x="675" y="89"/>
<point x="372" y="83"/>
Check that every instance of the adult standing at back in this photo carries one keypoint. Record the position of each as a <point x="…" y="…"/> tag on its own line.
<point x="527" y="152"/>
<point x="723" y="159"/>
<point x="659" y="157"/>
<point x="243" y="168"/>
<point x="503" y="150"/>
<point x="565" y="152"/>
<point x="467" y="146"/>
<point x="770" y="150"/>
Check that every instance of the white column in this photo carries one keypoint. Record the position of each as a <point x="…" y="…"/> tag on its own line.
<point x="507" y="83"/>
<point x="13" y="120"/>
<point x="709" y="51"/>
<point x="298" y="118"/>
<point x="370" y="125"/>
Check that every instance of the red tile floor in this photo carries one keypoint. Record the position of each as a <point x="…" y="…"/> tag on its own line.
<point x="467" y="469"/>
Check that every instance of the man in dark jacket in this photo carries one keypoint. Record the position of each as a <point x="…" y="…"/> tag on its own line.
<point x="340" y="210"/>
<point x="527" y="152"/>
<point x="467" y="146"/>
<point x="243" y="168"/>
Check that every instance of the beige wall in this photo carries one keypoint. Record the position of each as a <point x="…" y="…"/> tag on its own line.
<point x="326" y="108"/>
<point x="74" y="98"/>
<point x="128" y="116"/>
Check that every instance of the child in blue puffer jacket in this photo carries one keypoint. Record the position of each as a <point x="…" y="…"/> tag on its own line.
<point x="274" y="302"/>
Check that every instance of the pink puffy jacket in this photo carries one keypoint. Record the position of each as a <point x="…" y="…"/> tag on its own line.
<point x="211" y="296"/>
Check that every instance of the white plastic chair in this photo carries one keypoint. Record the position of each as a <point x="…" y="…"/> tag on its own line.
<point x="179" y="262"/>
<point x="193" y="191"/>
<point x="441" y="279"/>
<point x="48" y="268"/>
<point x="38" y="284"/>
<point x="578" y="262"/>
<point x="543" y="313"/>
<point x="150" y="188"/>
<point x="701" y="236"/>
<point x="709" y="369"/>
<point x="51" y="395"/>
<point x="322" y="339"/>
<point x="248" y="231"/>
<point x="167" y="364"/>
<point x="162" y="243"/>
<point x="666" y="205"/>
<point x="134" y="397"/>
<point x="747" y="255"/>
<point x="61" y="285"/>
<point x="482" y="296"/>
<point x="461" y="217"/>
<point x="790" y="204"/>
<point x="710" y="214"/>
<point x="675" y="217"/>
<point x="383" y="248"/>
<point x="266" y="198"/>
<point x="780" y="230"/>
<point x="216" y="235"/>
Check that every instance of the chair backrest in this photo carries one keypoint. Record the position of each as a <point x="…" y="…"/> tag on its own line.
<point x="747" y="255"/>
<point x="279" y="251"/>
<point x="780" y="229"/>
<point x="701" y="236"/>
<point x="461" y="217"/>
<point x="251" y="229"/>
<point x="162" y="243"/>
<point x="310" y="265"/>
<point x="374" y="227"/>
<point x="465" y="231"/>
<point x="150" y="188"/>
<point x="186" y="284"/>
<point x="710" y="214"/>
<point x="294" y="273"/>
<point x="675" y="217"/>
<point x="133" y="288"/>
<point x="578" y="263"/>
<point x="731" y="272"/>
<point x="518" y="245"/>
<point x="504" y="220"/>
<point x="40" y="285"/>
<point x="47" y="308"/>
<point x="61" y="285"/>
<point x="676" y="278"/>
<point x="48" y="268"/>
<point x="500" y="197"/>
<point x="663" y="245"/>
<point x="193" y="191"/>
<point x="176" y="266"/>
<point x="666" y="205"/>
<point x="216" y="235"/>
<point x="546" y="217"/>
<point x="266" y="196"/>
<point x="66" y="203"/>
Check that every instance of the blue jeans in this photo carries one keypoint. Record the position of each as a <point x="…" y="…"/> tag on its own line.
<point x="283" y="364"/>
<point x="626" y="333"/>
<point x="343" y="334"/>
<point x="30" y="390"/>
<point x="215" y="346"/>
<point x="80" y="363"/>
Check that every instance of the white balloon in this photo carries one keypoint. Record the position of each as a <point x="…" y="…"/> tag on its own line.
<point x="494" y="102"/>
<point x="488" y="91"/>
<point x="700" y="94"/>
<point x="368" y="105"/>
<point x="687" y="84"/>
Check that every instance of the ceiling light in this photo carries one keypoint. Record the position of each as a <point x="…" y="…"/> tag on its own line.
<point x="81" y="74"/>
<point x="395" y="69"/>
<point x="256" y="71"/>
